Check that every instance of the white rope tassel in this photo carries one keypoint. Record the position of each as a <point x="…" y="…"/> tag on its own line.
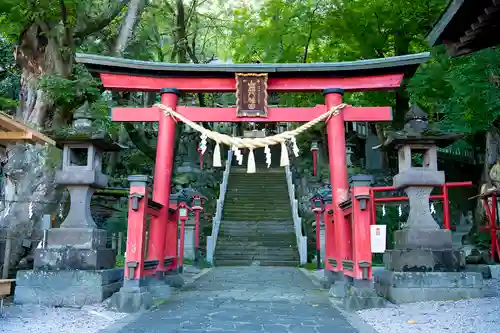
<point x="400" y="210"/>
<point x="203" y="143"/>
<point x="251" y="162"/>
<point x="383" y="210"/>
<point x="267" y="151"/>
<point x="295" y="148"/>
<point x="217" y="159"/>
<point x="284" y="160"/>
<point x="433" y="210"/>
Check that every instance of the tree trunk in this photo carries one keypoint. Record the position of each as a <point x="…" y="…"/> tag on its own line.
<point x="492" y="155"/>
<point x="127" y="30"/>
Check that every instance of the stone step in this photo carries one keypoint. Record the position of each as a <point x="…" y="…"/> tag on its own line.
<point x="256" y="200"/>
<point x="243" y="250"/>
<point x="268" y="232"/>
<point x="233" y="210"/>
<point x="290" y="251"/>
<point x="252" y="244"/>
<point x="288" y="263"/>
<point x="258" y="216"/>
<point x="257" y="258"/>
<point x="257" y="226"/>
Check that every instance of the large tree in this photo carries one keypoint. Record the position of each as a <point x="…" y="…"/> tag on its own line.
<point x="45" y="34"/>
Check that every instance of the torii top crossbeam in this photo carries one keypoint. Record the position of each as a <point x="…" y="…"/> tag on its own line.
<point x="363" y="75"/>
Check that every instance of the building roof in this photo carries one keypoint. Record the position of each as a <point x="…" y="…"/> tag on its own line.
<point x="406" y="64"/>
<point x="12" y="131"/>
<point x="467" y="26"/>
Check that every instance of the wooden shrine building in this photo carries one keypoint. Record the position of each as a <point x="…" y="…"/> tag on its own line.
<point x="467" y="26"/>
<point x="12" y="131"/>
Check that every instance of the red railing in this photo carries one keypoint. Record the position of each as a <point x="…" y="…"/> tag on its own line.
<point x="437" y="197"/>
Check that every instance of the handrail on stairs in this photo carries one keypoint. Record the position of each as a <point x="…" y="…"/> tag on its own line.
<point x="297" y="220"/>
<point x="212" y="239"/>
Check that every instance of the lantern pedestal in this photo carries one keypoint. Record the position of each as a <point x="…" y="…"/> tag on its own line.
<point x="189" y="240"/>
<point x="73" y="266"/>
<point x="423" y="265"/>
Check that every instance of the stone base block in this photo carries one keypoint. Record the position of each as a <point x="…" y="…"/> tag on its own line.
<point x="159" y="289"/>
<point x="327" y="279"/>
<point x="424" y="260"/>
<point x="72" y="258"/>
<point x="483" y="269"/>
<point x="361" y="296"/>
<point x="338" y="289"/>
<point x="173" y="279"/>
<point x="495" y="271"/>
<point x="418" y="177"/>
<point x="408" y="287"/>
<point x="130" y="300"/>
<point x="437" y="239"/>
<point x="80" y="238"/>
<point x="66" y="288"/>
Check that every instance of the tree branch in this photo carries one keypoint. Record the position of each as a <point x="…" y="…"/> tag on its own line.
<point x="140" y="141"/>
<point x="96" y="24"/>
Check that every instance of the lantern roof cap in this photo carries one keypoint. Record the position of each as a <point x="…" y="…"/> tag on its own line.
<point x="418" y="131"/>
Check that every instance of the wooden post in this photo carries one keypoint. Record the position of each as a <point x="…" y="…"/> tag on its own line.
<point x="120" y="243"/>
<point x="6" y="257"/>
<point x="113" y="241"/>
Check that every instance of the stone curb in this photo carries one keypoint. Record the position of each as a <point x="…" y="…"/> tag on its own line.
<point x="197" y="276"/>
<point x="119" y="325"/>
<point x="352" y="318"/>
<point x="495" y="271"/>
<point x="314" y="279"/>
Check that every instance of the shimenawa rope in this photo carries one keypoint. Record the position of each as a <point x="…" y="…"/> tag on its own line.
<point x="251" y="143"/>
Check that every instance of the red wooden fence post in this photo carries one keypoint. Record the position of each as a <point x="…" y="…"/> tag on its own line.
<point x="361" y="211"/>
<point x="137" y="212"/>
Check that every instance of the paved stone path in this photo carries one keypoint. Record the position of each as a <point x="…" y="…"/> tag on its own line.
<point x="246" y="299"/>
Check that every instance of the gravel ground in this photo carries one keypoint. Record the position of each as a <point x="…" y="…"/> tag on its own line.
<point x="468" y="316"/>
<point x="41" y="319"/>
<point x="88" y="319"/>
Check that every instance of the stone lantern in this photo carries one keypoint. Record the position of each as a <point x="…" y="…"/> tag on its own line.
<point x="78" y="246"/>
<point x="422" y="266"/>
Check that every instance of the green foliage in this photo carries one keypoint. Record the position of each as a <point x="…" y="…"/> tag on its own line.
<point x="462" y="93"/>
<point x="120" y="261"/>
<point x="71" y="92"/>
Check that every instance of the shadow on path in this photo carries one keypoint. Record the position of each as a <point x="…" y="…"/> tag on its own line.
<point x="245" y="299"/>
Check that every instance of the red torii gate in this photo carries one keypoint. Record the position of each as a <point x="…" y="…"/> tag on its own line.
<point x="172" y="79"/>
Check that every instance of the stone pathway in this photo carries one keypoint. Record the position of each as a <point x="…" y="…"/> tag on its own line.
<point x="245" y="299"/>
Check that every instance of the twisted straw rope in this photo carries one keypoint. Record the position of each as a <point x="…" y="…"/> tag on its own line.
<point x="251" y="143"/>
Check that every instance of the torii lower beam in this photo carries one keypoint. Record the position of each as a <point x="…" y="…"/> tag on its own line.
<point x="198" y="114"/>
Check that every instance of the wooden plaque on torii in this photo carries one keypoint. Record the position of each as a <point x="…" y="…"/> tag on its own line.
<point x="251" y="95"/>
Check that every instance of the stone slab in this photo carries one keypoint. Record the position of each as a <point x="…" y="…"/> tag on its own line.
<point x="424" y="260"/>
<point x="66" y="288"/>
<point x="422" y="239"/>
<point x="495" y="271"/>
<point x="408" y="287"/>
<point x="131" y="301"/>
<point x="419" y="177"/>
<point x="70" y="258"/>
<point x="358" y="298"/>
<point x="485" y="270"/>
<point x="173" y="279"/>
<point x="79" y="238"/>
<point x="338" y="288"/>
<point x="81" y="176"/>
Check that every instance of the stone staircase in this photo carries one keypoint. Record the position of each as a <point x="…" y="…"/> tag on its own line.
<point x="257" y="226"/>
